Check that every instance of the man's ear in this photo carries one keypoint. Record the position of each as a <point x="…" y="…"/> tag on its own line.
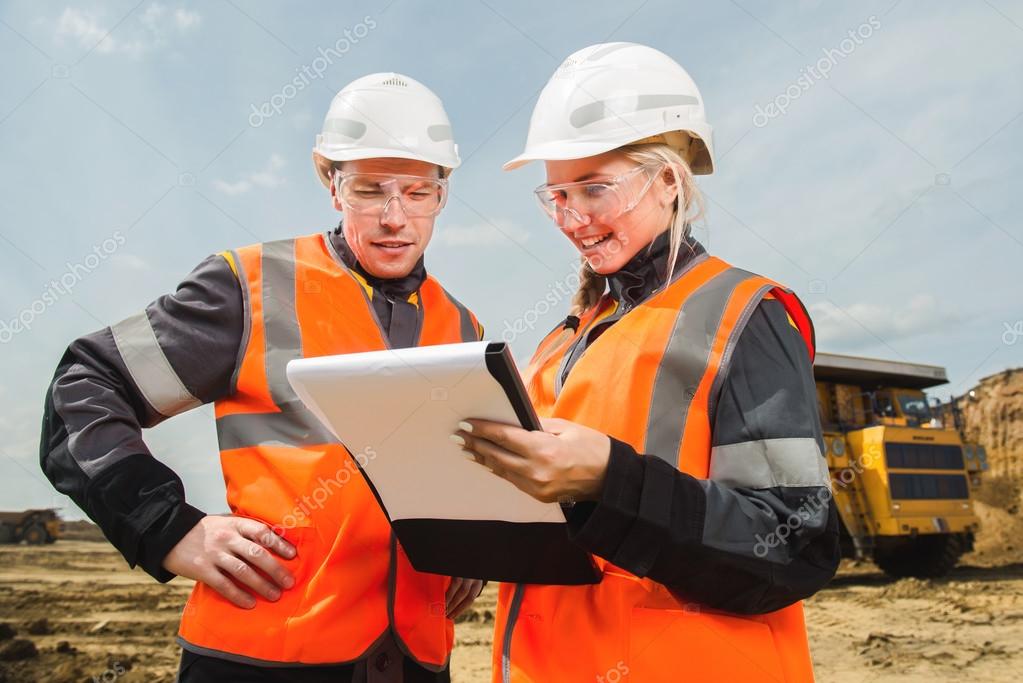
<point x="334" y="197"/>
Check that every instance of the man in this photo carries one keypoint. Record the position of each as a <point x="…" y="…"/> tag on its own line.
<point x="305" y="580"/>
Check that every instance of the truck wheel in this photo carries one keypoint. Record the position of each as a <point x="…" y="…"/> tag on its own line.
<point x="35" y="534"/>
<point x="924" y="557"/>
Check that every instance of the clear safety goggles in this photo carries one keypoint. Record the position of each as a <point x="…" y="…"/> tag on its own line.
<point x="601" y="200"/>
<point x="372" y="193"/>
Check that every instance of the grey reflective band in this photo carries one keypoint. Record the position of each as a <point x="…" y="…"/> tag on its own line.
<point x="509" y="631"/>
<point x="685" y="362"/>
<point x="768" y="463"/>
<point x="149" y="368"/>
<point x="297" y="428"/>
<point x="280" y="319"/>
<point x="467" y="326"/>
<point x="733" y="338"/>
<point x="606" y="109"/>
<point x="294" y="425"/>
<point x="249" y="661"/>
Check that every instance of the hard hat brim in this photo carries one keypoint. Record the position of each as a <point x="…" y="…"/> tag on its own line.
<point x="373" y="153"/>
<point x="703" y="164"/>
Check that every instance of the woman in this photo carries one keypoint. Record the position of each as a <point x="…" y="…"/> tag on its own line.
<point x="681" y="434"/>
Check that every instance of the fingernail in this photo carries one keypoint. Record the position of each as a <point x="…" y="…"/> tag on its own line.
<point x="469" y="456"/>
<point x="288" y="582"/>
<point x="249" y="604"/>
<point x="465" y="426"/>
<point x="457" y="439"/>
<point x="275" y="594"/>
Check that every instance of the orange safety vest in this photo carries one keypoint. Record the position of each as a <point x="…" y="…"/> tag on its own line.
<point x="353" y="582"/>
<point x="665" y="360"/>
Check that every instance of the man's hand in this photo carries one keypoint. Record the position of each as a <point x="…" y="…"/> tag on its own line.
<point x="460" y="595"/>
<point x="223" y="551"/>
<point x="565" y="462"/>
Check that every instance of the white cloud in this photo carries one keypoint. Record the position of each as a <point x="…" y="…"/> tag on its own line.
<point x="866" y="323"/>
<point x="84" y="28"/>
<point x="185" y="19"/>
<point x="483" y="234"/>
<point x="267" y="177"/>
<point x="131" y="262"/>
<point x="149" y="32"/>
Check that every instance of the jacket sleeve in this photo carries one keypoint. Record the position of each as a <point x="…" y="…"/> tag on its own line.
<point x="762" y="531"/>
<point x="178" y="353"/>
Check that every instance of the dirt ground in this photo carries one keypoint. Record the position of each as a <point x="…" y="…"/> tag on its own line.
<point x="72" y="611"/>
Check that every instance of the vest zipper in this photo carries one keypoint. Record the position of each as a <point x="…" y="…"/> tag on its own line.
<point x="567" y="362"/>
<point x="509" y="632"/>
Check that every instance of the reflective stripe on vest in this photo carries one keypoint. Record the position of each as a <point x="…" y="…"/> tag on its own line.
<point x="651" y="380"/>
<point x="284" y="468"/>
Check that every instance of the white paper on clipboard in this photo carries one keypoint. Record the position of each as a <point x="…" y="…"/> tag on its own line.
<point x="398" y="409"/>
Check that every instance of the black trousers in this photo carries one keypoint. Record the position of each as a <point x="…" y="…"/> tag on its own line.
<point x="382" y="667"/>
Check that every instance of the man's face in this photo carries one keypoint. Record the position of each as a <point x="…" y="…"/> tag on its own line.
<point x="387" y="242"/>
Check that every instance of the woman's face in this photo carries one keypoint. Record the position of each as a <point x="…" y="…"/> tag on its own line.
<point x="607" y="243"/>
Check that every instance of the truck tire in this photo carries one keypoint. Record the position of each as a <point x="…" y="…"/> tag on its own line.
<point x="35" y="534"/>
<point x="923" y="557"/>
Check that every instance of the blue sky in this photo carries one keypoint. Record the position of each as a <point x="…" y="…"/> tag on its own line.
<point x="885" y="191"/>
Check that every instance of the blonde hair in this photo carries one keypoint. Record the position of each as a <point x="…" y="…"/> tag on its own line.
<point x="688" y="208"/>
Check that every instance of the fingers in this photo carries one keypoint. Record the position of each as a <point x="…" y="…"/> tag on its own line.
<point x="266" y="537"/>
<point x="554" y="425"/>
<point x="260" y="557"/>
<point x="510" y="437"/>
<point x="212" y="577"/>
<point x="493" y="455"/>
<point x="465" y="598"/>
<point x="244" y="573"/>
<point x="454" y="587"/>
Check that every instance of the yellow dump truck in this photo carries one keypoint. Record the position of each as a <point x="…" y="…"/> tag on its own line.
<point x="903" y="478"/>
<point x="35" y="527"/>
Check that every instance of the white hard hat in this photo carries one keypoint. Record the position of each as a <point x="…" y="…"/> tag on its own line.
<point x="613" y="94"/>
<point x="385" y="115"/>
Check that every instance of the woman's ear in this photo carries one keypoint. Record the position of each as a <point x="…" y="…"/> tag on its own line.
<point x="670" y="179"/>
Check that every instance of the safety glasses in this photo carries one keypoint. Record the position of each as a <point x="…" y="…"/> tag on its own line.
<point x="601" y="200"/>
<point x="372" y="193"/>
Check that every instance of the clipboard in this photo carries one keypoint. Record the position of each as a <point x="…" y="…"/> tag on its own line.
<point x="395" y="410"/>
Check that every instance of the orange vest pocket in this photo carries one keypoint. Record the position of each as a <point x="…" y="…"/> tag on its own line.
<point x="667" y="645"/>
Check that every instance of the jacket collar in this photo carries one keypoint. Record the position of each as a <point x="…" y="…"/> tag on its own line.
<point x="645" y="272"/>
<point x="397" y="288"/>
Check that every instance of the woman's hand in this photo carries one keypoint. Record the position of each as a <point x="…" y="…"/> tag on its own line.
<point x="564" y="463"/>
